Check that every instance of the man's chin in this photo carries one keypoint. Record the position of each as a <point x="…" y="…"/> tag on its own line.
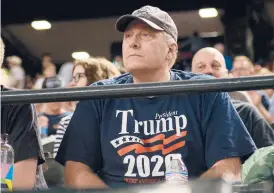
<point x="136" y="67"/>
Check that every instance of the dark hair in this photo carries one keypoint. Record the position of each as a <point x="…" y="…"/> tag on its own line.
<point x="196" y="34"/>
<point x="46" y="54"/>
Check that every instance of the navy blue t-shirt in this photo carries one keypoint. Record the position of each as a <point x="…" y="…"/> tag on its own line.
<point x="131" y="140"/>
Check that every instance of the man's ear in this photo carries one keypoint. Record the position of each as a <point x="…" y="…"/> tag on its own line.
<point x="172" y="52"/>
<point x="173" y="49"/>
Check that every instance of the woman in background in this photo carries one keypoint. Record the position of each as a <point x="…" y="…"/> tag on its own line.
<point x="85" y="73"/>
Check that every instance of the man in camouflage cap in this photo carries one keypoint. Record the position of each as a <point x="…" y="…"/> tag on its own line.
<point x="116" y="142"/>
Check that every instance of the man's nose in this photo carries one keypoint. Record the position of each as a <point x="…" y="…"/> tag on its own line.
<point x="208" y="71"/>
<point x="135" y="42"/>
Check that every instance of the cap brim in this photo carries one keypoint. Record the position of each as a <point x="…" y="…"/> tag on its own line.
<point x="123" y="22"/>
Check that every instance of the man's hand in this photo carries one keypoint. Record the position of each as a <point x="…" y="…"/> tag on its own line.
<point x="257" y="101"/>
<point x="79" y="175"/>
<point x="255" y="97"/>
<point x="228" y="169"/>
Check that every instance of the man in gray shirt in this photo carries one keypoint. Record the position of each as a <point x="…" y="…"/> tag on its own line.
<point x="210" y="61"/>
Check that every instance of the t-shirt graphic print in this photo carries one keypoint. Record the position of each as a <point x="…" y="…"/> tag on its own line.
<point x="149" y="146"/>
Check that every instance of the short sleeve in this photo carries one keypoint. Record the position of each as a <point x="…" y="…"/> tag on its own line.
<point x="23" y="133"/>
<point x="81" y="142"/>
<point x="226" y="135"/>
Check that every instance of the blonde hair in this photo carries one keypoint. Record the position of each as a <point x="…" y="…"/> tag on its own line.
<point x="14" y="60"/>
<point x="2" y="51"/>
<point x="244" y="58"/>
<point x="265" y="71"/>
<point x="108" y="68"/>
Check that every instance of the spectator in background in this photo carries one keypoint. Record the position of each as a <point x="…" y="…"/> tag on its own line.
<point x="17" y="73"/>
<point x="211" y="61"/>
<point x="257" y="99"/>
<point x="213" y="64"/>
<point x="85" y="73"/>
<point x="243" y="66"/>
<point x="49" y="71"/>
<point x="20" y="123"/>
<point x="268" y="93"/>
<point x="54" y="111"/>
<point x="264" y="95"/>
<point x="46" y="59"/>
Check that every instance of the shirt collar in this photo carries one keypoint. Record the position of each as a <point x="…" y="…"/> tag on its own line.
<point x="172" y="77"/>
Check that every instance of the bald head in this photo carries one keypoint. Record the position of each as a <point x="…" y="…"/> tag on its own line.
<point x="209" y="61"/>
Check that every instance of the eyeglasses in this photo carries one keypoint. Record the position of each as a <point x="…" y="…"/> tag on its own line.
<point x="78" y="76"/>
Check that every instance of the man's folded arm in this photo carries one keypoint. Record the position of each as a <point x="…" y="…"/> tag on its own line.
<point x="80" y="176"/>
<point x="227" y="141"/>
<point x="228" y="169"/>
<point x="80" y="149"/>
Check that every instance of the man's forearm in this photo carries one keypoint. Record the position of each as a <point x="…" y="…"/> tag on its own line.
<point x="81" y="178"/>
<point x="229" y="169"/>
<point x="214" y="173"/>
<point x="265" y="113"/>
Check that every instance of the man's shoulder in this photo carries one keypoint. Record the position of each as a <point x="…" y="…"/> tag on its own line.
<point x="176" y="75"/>
<point x="122" y="79"/>
<point x="183" y="75"/>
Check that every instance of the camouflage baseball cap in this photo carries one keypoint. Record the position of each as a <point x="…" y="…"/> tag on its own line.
<point x="153" y="16"/>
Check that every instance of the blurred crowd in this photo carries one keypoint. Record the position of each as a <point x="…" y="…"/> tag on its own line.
<point x="243" y="66"/>
<point x="80" y="73"/>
